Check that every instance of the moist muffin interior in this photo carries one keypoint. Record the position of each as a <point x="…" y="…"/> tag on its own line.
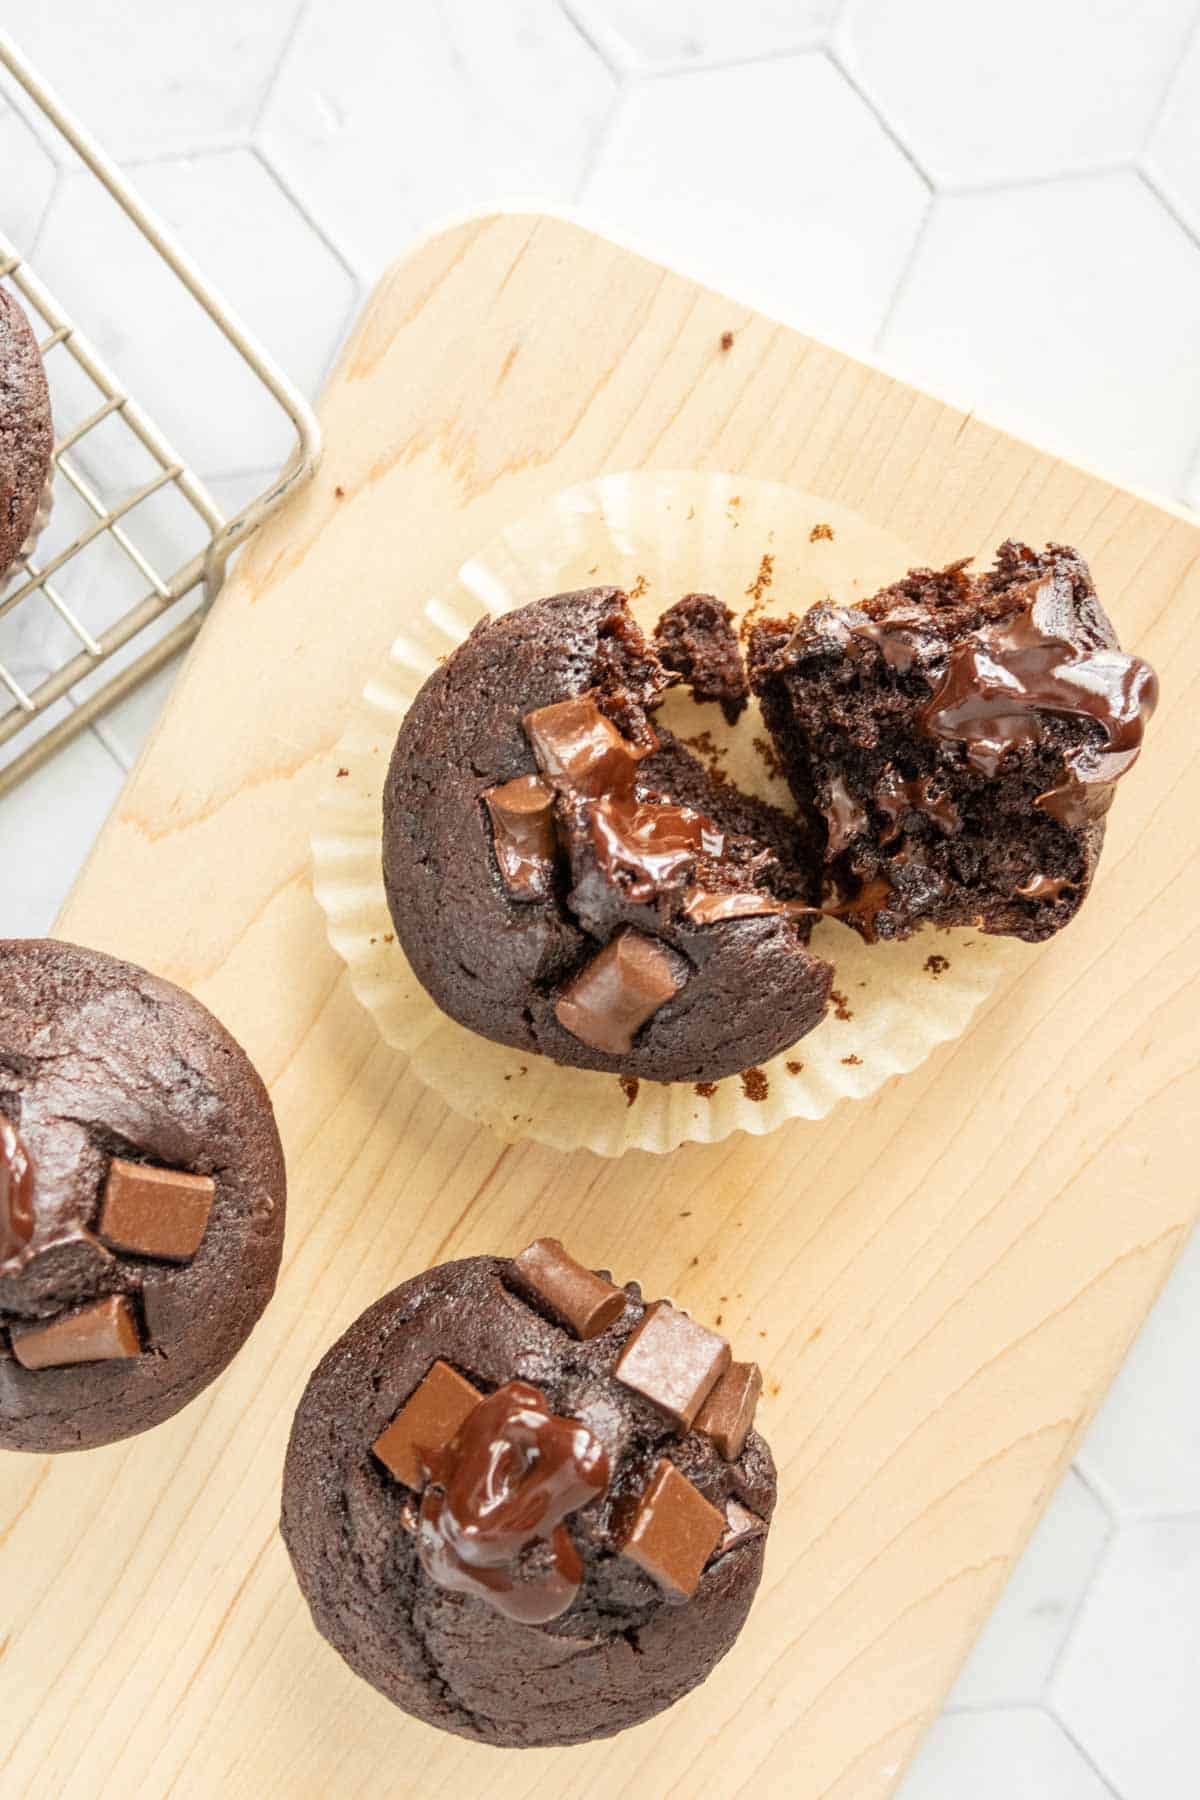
<point x="913" y="831"/>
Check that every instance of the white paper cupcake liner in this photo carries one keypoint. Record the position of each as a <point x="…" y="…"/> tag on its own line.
<point x="760" y="547"/>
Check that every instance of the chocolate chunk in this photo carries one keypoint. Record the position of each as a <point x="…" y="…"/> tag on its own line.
<point x="160" y="1213"/>
<point x="16" y="1192"/>
<point x="612" y="996"/>
<point x="578" y="748"/>
<point x="728" y="1413"/>
<point x="740" y="1526"/>
<point x="522" y="814"/>
<point x="674" y="1531"/>
<point x="513" y="1473"/>
<point x="585" y="1303"/>
<point x="895" y="796"/>
<point x="1044" y="887"/>
<point x="673" y="1362"/>
<point x="704" y="908"/>
<point x="844" y="816"/>
<point x="103" y="1332"/>
<point x="412" y="1447"/>
<point x="649" y="842"/>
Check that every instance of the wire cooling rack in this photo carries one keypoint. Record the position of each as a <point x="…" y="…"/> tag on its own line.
<point x="107" y="531"/>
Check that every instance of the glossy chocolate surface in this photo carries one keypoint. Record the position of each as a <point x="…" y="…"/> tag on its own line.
<point x="581" y="750"/>
<point x="649" y="842"/>
<point x="512" y="1475"/>
<point x="844" y="816"/>
<point x="674" y="1531"/>
<point x="705" y="908"/>
<point x="1001" y="679"/>
<point x="16" y="1192"/>
<point x="894" y="795"/>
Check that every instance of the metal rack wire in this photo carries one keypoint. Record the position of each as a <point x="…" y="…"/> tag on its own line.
<point x="38" y="580"/>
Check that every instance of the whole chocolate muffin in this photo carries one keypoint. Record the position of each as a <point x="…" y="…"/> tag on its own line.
<point x="565" y="879"/>
<point x="26" y="431"/>
<point x="956" y="741"/>
<point x="142" y="1198"/>
<point x="523" y="1504"/>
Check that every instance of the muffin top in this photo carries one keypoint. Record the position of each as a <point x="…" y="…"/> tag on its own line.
<point x="566" y="878"/>
<point x="525" y="1504"/>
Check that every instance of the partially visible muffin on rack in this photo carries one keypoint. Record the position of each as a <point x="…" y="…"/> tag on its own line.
<point x="26" y="432"/>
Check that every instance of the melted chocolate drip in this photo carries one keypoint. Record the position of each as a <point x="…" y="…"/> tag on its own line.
<point x="16" y="1192"/>
<point x="895" y="796"/>
<point x="845" y="817"/>
<point x="651" y="841"/>
<point x="504" y="1486"/>
<point x="705" y="908"/>
<point x="1044" y="887"/>
<point x="1001" y="678"/>
<point x="861" y="909"/>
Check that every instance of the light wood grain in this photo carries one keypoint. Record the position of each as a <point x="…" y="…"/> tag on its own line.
<point x="940" y="1282"/>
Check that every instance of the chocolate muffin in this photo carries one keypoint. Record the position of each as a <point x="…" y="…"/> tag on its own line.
<point x="956" y="741"/>
<point x="525" y="1505"/>
<point x="141" y="1198"/>
<point x="26" y="431"/>
<point x="567" y="880"/>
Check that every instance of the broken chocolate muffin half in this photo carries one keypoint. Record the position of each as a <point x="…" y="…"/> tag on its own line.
<point x="567" y="879"/>
<point x="956" y="741"/>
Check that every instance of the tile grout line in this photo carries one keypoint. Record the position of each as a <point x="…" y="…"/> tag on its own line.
<point x="1084" y="1754"/>
<point x="299" y="20"/>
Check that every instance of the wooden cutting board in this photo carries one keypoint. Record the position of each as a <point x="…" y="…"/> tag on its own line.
<point x="940" y="1282"/>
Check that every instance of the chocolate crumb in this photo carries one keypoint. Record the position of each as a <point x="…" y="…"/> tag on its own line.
<point x="937" y="965"/>
<point x="389" y="937"/>
<point x="339" y="493"/>
<point x="794" y="1068"/>
<point x="764" y="578"/>
<point x="774" y="1389"/>
<point x="695" y="1263"/>
<point x="686" y="1215"/>
<point x="820" y="532"/>
<point x="768" y="757"/>
<point x="720" y="1319"/>
<point x="706" y="1089"/>
<point x="342" y="773"/>
<point x="840" y="1005"/>
<point x="639" y="588"/>
<point x="629" y="1087"/>
<point x="727" y="340"/>
<point x="755" y="1085"/>
<point x="853" y="1062"/>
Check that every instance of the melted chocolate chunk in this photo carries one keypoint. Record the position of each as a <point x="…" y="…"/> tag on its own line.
<point x="512" y="1475"/>
<point x="522" y="815"/>
<point x="581" y="750"/>
<point x="1045" y="887"/>
<point x="895" y="796"/>
<point x="649" y="842"/>
<point x="611" y="998"/>
<point x="16" y="1192"/>
<point x="705" y="908"/>
<point x="1002" y="678"/>
<point x="845" y="817"/>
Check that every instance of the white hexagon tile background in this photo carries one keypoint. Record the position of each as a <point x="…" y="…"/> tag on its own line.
<point x="1001" y="203"/>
